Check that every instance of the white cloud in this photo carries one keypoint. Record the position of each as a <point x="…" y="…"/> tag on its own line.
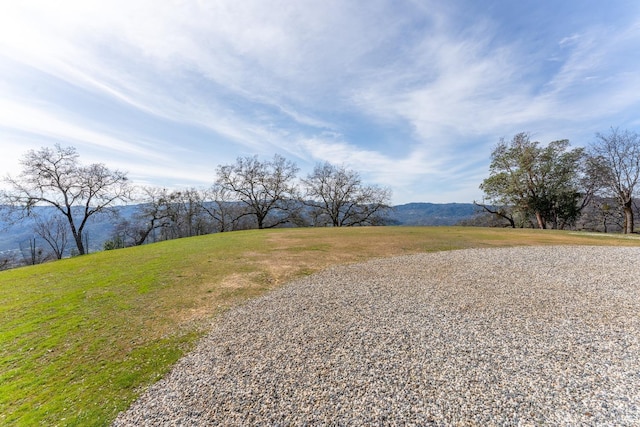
<point x="38" y="121"/>
<point x="264" y="77"/>
<point x="374" y="166"/>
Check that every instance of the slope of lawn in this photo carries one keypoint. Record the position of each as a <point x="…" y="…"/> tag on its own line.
<point x="82" y="337"/>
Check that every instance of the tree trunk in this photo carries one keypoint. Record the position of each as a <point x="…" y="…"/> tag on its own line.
<point x="142" y="237"/>
<point x="497" y="212"/>
<point x="541" y="223"/>
<point x="77" y="233"/>
<point x="79" y="244"/>
<point x="628" y="218"/>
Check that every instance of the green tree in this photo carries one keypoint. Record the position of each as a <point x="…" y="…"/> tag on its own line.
<point x="532" y="180"/>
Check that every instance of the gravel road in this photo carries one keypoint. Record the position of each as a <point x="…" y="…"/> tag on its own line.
<point x="507" y="337"/>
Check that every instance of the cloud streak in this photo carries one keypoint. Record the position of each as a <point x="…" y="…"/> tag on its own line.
<point x="412" y="94"/>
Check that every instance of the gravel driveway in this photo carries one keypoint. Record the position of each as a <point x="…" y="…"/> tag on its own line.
<point x="519" y="336"/>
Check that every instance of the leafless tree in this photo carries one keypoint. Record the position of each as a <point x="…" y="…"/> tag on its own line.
<point x="185" y="211"/>
<point x="339" y="195"/>
<point x="218" y="205"/>
<point x="174" y="214"/>
<point x="154" y="213"/>
<point x="265" y="188"/>
<point x="54" y="177"/>
<point x="34" y="254"/>
<point x="616" y="156"/>
<point x="504" y="212"/>
<point x="55" y="231"/>
<point x="8" y="259"/>
<point x="151" y="214"/>
<point x="602" y="214"/>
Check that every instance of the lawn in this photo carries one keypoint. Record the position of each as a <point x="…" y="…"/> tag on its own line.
<point x="82" y="337"/>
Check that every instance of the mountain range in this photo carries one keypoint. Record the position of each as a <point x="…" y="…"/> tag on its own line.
<point x="17" y="237"/>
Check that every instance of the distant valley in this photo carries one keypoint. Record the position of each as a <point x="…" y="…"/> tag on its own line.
<point x="17" y="237"/>
<point x="428" y="214"/>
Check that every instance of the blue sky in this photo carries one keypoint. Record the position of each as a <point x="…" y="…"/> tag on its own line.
<point x="412" y="94"/>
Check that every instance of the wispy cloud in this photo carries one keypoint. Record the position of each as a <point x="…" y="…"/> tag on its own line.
<point x="37" y="121"/>
<point x="319" y="80"/>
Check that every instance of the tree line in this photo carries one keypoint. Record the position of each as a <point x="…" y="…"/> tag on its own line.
<point x="529" y="185"/>
<point x="553" y="186"/>
<point x="250" y="193"/>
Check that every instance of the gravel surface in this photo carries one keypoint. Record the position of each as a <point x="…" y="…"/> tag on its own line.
<point x="518" y="337"/>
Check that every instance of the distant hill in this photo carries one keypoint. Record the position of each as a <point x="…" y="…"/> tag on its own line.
<point x="17" y="236"/>
<point x="432" y="213"/>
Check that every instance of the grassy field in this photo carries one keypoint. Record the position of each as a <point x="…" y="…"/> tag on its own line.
<point x="82" y="337"/>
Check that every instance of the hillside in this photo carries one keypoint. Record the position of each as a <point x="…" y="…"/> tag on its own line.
<point x="17" y="237"/>
<point x="82" y="337"/>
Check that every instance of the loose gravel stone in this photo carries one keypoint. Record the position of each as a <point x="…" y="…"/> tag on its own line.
<point x="507" y="337"/>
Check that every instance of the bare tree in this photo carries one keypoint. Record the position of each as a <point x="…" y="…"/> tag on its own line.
<point x="34" y="255"/>
<point x="338" y="194"/>
<point x="189" y="208"/>
<point x="266" y="188"/>
<point x="504" y="212"/>
<point x="55" y="231"/>
<point x="154" y="212"/>
<point x="53" y="177"/>
<point x="183" y="209"/>
<point x="602" y="214"/>
<point x="8" y="260"/>
<point x="175" y="214"/>
<point x="218" y="206"/>
<point x="617" y="162"/>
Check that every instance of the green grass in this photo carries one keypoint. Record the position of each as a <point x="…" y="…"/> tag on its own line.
<point x="82" y="337"/>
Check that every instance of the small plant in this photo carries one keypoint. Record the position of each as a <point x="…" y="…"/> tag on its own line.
<point x="115" y="243"/>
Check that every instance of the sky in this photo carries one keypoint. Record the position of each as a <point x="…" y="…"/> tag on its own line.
<point x="413" y="95"/>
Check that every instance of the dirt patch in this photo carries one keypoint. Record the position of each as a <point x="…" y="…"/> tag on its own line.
<point x="237" y="281"/>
